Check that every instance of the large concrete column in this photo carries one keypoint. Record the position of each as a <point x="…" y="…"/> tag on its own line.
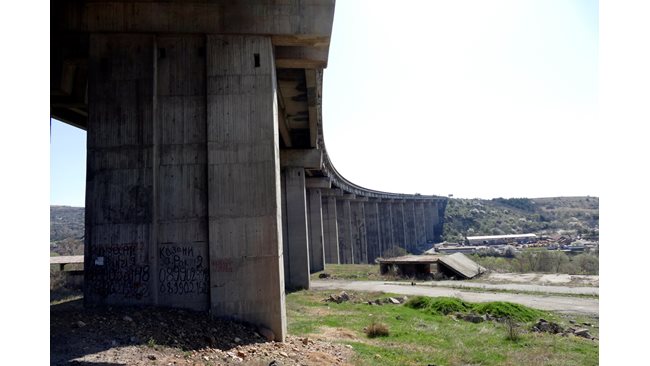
<point x="330" y="230"/>
<point x="176" y="180"/>
<point x="409" y="226"/>
<point x="386" y="224"/>
<point x="429" y="221"/>
<point x="316" y="247"/>
<point x="346" y="251"/>
<point x="439" y="212"/>
<point x="397" y="210"/>
<point x="296" y="248"/>
<point x="358" y="221"/>
<point x="246" y="278"/>
<point x="373" y="230"/>
<point x="420" y="223"/>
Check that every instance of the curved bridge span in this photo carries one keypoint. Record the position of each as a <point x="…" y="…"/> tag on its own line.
<point x="208" y="185"/>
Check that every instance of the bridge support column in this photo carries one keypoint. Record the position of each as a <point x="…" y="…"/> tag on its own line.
<point x="174" y="171"/>
<point x="343" y="214"/>
<point x="296" y="246"/>
<point x="316" y="247"/>
<point x="439" y="214"/>
<point x="386" y="226"/>
<point x="330" y="230"/>
<point x="373" y="230"/>
<point x="246" y="279"/>
<point x="359" y="242"/>
<point x="409" y="228"/>
<point x="397" y="209"/>
<point x="429" y="221"/>
<point x="420" y="223"/>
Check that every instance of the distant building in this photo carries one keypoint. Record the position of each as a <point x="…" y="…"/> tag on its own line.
<point x="502" y="239"/>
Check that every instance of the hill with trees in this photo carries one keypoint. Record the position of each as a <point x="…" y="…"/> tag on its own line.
<point x="573" y="216"/>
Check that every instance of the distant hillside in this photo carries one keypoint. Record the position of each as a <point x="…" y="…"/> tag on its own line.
<point x="66" y="230"/>
<point x="554" y="215"/>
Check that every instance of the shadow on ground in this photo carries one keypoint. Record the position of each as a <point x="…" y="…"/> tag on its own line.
<point x="77" y="332"/>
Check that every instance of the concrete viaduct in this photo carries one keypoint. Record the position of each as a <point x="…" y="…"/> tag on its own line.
<point x="208" y="183"/>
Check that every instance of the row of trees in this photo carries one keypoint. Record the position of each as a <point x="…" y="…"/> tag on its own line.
<point x="545" y="261"/>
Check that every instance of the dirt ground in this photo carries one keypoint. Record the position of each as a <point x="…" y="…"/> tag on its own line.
<point x="136" y="336"/>
<point x="541" y="279"/>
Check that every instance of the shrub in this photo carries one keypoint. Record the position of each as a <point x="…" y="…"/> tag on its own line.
<point x="438" y="305"/>
<point x="377" y="330"/>
<point x="512" y="330"/>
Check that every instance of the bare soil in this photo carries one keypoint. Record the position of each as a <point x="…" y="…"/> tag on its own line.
<point x="158" y="336"/>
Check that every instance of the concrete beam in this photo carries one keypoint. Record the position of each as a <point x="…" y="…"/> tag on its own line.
<point x="305" y="158"/>
<point x="318" y="183"/>
<point x="316" y="247"/>
<point x="335" y="192"/>
<point x="296" y="254"/>
<point x="330" y="230"/>
<point x="386" y="224"/>
<point x="307" y="24"/>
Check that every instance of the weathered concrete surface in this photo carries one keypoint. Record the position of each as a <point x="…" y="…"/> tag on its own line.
<point x="373" y="230"/>
<point x="543" y="302"/>
<point x="346" y="251"/>
<point x="420" y="223"/>
<point x="410" y="235"/>
<point x="330" y="230"/>
<point x="316" y="248"/>
<point x="358" y="221"/>
<point x="397" y="210"/>
<point x="429" y="219"/>
<point x="386" y="222"/>
<point x="296" y="253"/>
<point x="246" y="278"/>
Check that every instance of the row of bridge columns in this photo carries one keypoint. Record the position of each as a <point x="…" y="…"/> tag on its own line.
<point x="327" y="226"/>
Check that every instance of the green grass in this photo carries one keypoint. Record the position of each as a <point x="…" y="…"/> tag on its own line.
<point x="359" y="272"/>
<point x="419" y="336"/>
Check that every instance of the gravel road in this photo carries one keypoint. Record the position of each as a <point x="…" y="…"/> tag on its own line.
<point x="563" y="304"/>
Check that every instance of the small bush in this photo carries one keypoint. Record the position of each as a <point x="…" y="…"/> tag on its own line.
<point x="512" y="330"/>
<point x="377" y="330"/>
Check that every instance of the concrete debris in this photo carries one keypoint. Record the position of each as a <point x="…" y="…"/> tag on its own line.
<point x="474" y="318"/>
<point x="342" y="297"/>
<point x="394" y="300"/>
<point x="127" y="318"/>
<point x="81" y="324"/>
<point x="547" y="327"/>
<point x="324" y="275"/>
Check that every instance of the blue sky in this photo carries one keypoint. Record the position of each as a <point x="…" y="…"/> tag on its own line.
<point x="466" y="97"/>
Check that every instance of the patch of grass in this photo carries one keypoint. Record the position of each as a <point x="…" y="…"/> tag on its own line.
<point x="420" y="337"/>
<point x="438" y="305"/>
<point x="501" y="309"/>
<point x="376" y="329"/>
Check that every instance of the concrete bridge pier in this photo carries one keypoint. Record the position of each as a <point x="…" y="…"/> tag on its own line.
<point x="358" y="221"/>
<point x="174" y="172"/>
<point x="386" y="226"/>
<point x="430" y="222"/>
<point x="420" y="223"/>
<point x="373" y="229"/>
<point x="439" y="215"/>
<point x="330" y="226"/>
<point x="296" y="243"/>
<point x="316" y="247"/>
<point x="397" y="209"/>
<point x="410" y="228"/>
<point x="346" y="250"/>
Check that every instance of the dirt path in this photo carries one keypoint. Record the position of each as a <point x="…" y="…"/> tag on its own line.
<point x="543" y="302"/>
<point x="512" y="287"/>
